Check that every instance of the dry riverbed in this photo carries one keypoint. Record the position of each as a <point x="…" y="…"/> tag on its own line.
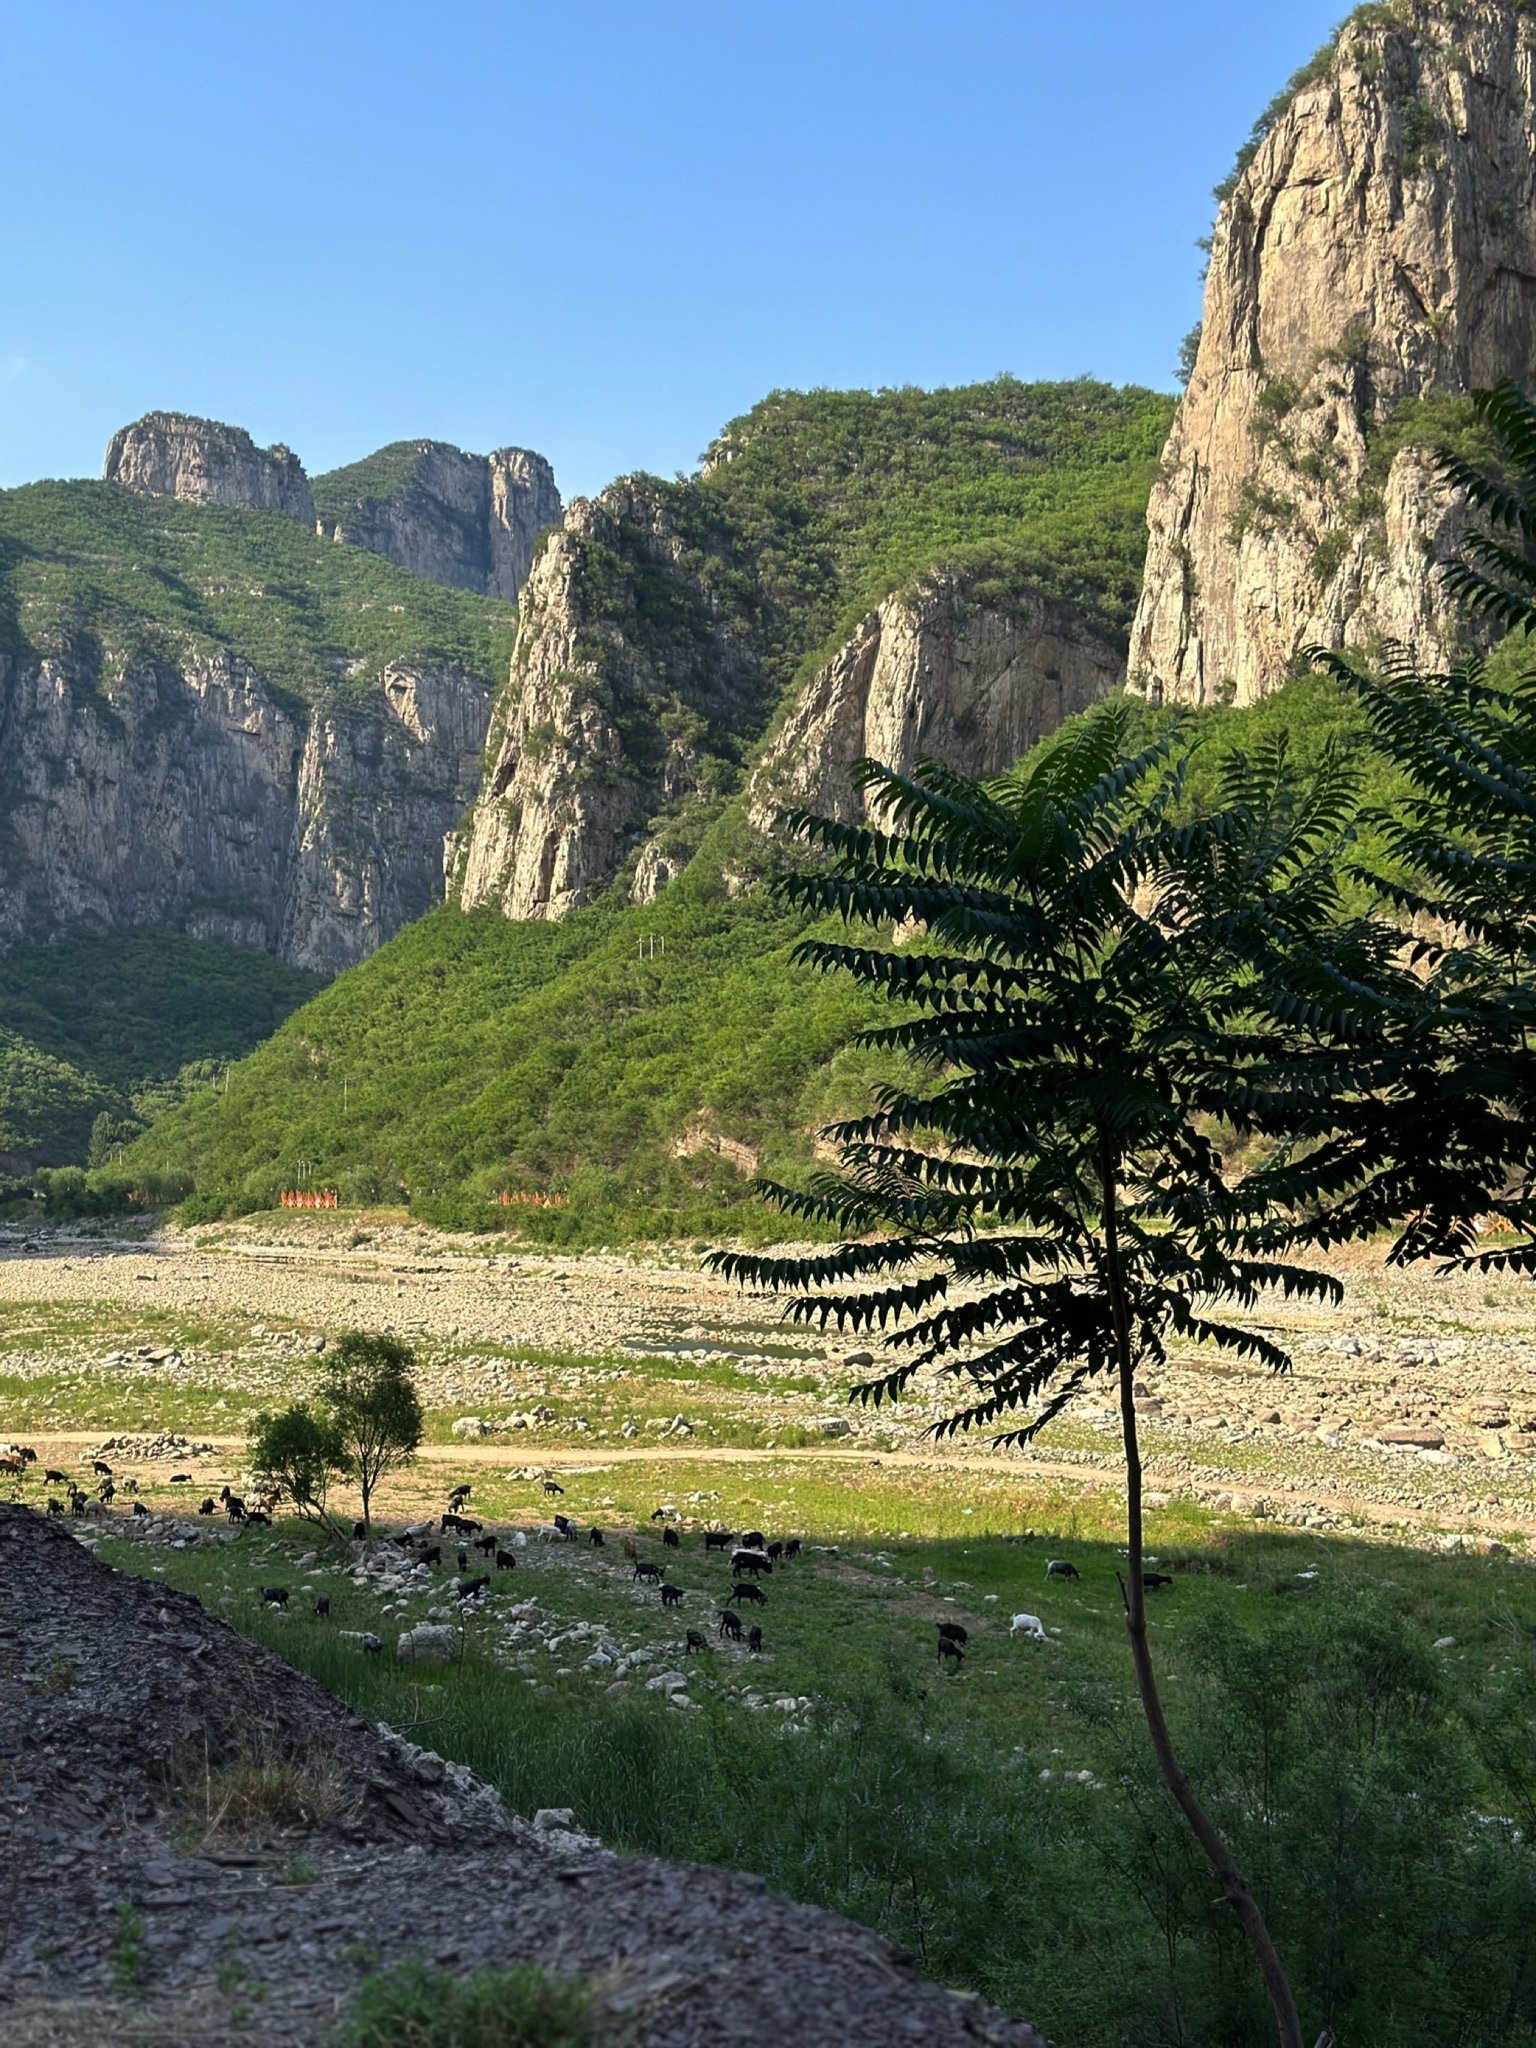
<point x="1412" y="1405"/>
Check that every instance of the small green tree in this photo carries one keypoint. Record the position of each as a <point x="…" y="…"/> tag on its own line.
<point x="1098" y="990"/>
<point x="300" y="1451"/>
<point x="369" y="1393"/>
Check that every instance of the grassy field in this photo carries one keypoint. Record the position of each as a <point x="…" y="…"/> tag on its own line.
<point x="1361" y="1717"/>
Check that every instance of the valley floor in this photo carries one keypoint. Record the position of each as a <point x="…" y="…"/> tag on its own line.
<point x="1411" y="1405"/>
<point x="978" y="1816"/>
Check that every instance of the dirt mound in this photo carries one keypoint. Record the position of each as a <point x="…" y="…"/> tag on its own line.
<point x="129" y="1717"/>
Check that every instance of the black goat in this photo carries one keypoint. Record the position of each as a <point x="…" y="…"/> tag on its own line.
<point x="671" y="1539"/>
<point x="359" y="1532"/>
<point x="754" y="1561"/>
<point x="775" y="1552"/>
<point x="951" y="1631"/>
<point x="694" y="1640"/>
<point x="101" y="1466"/>
<point x="950" y="1649"/>
<point x="370" y="1645"/>
<point x="595" y="1537"/>
<point x="55" y="1507"/>
<point x="1059" y="1568"/>
<point x="81" y="1506"/>
<point x="463" y="1559"/>
<point x="52" y="1478"/>
<point x="730" y="1624"/>
<point x="459" y="1495"/>
<point x="755" y="1640"/>
<point x="466" y="1589"/>
<point x="553" y="1486"/>
<point x="323" y="1605"/>
<point x="505" y="1561"/>
<point x="752" y="1593"/>
<point x="207" y="1507"/>
<point x="181" y="1479"/>
<point x="274" y="1596"/>
<point x="647" y="1571"/>
<point x="430" y="1553"/>
<point x="671" y="1596"/>
<point x="486" y="1545"/>
<point x="753" y="1540"/>
<point x="718" y="1539"/>
<point x="258" y="1519"/>
<point x="1152" y="1581"/>
<point x="562" y="1523"/>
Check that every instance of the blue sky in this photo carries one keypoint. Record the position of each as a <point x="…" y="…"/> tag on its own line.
<point x="599" y="228"/>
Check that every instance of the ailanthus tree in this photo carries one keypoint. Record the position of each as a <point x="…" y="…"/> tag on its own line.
<point x="1103" y="994"/>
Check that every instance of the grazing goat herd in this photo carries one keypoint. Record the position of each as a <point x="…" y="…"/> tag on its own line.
<point x="751" y="1556"/>
<point x="17" y="1460"/>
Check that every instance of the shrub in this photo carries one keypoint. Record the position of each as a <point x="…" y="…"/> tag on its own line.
<point x="522" y="2007"/>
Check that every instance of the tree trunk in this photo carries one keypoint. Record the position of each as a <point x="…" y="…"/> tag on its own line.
<point x="1223" y="1867"/>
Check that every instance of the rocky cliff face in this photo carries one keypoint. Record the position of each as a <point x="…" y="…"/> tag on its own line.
<point x="633" y="685"/>
<point x="469" y="521"/>
<point x="171" y="455"/>
<point x="1377" y="252"/>
<point x="637" y="698"/>
<point x="931" y="674"/>
<point x="188" y="794"/>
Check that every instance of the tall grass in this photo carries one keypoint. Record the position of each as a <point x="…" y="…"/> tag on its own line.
<point x="1378" y="1805"/>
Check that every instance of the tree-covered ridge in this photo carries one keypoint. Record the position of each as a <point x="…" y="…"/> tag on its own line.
<point x="379" y="475"/>
<point x="838" y="498"/>
<point x="123" y="1025"/>
<point x="92" y="574"/>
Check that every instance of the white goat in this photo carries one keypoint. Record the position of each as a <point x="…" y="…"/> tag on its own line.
<point x="1028" y="1625"/>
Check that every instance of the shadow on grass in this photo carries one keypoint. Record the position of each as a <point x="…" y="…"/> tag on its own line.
<point x="1005" y="1825"/>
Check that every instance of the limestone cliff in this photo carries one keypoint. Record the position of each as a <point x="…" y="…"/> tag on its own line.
<point x="188" y="793"/>
<point x="1377" y="253"/>
<point x="633" y="686"/>
<point x="171" y="455"/>
<point x="469" y="521"/>
<point x="638" y="694"/>
<point x="932" y="674"/>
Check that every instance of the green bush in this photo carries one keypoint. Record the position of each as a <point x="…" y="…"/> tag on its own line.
<point x="522" y="2007"/>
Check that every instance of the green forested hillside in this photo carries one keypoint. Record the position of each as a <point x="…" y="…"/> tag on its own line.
<point x="89" y="570"/>
<point x="837" y="498"/>
<point x="472" y="1056"/>
<point x="92" y="576"/>
<point x="122" y="1026"/>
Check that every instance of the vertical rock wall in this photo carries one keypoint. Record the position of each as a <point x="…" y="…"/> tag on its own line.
<point x="931" y="674"/>
<point x="190" y="795"/>
<point x="1378" y="252"/>
<point x="630" y="685"/>
<point x="171" y="455"/>
<point x="469" y="521"/>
